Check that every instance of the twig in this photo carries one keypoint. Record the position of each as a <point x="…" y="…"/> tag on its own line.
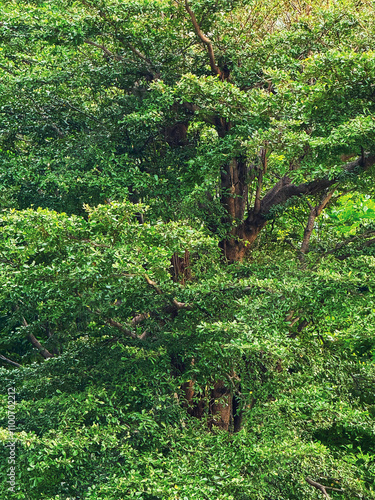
<point x="318" y="486"/>
<point x="104" y="49"/>
<point x="175" y="303"/>
<point x="84" y="240"/>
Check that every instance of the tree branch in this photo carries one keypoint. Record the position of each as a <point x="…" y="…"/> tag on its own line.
<point x="115" y="324"/>
<point x="104" y="49"/>
<point x="139" y="54"/>
<point x="154" y="285"/>
<point x="284" y="189"/>
<point x="181" y="305"/>
<point x="42" y="350"/>
<point x="135" y="51"/>
<point x="139" y="318"/>
<point x="364" y="244"/>
<point x="314" y="213"/>
<point x="7" y="360"/>
<point x="66" y="103"/>
<point x="204" y="39"/>
<point x="120" y="327"/>
<point x="368" y="234"/>
<point x="318" y="486"/>
<point x="257" y="203"/>
<point x="174" y="302"/>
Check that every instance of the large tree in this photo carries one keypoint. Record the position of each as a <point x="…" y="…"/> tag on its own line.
<point x="235" y="109"/>
<point x="140" y="141"/>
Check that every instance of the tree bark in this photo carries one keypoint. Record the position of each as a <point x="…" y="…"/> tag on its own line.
<point x="221" y="406"/>
<point x="42" y="350"/>
<point x="235" y="190"/>
<point x="180" y="268"/>
<point x="245" y="229"/>
<point x="7" y="360"/>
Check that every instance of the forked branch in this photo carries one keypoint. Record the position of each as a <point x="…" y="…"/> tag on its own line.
<point x="322" y="488"/>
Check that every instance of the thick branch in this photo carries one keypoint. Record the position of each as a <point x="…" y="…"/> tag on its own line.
<point x="154" y="285"/>
<point x="368" y="234"/>
<point x="204" y="39"/>
<point x="42" y="350"/>
<point x="284" y="189"/>
<point x="121" y="328"/>
<point x="7" y="360"/>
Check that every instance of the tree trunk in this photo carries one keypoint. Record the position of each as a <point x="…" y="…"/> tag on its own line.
<point x="235" y="191"/>
<point x="180" y="268"/>
<point x="245" y="227"/>
<point x="238" y="244"/>
<point x="221" y="406"/>
<point x="218" y="404"/>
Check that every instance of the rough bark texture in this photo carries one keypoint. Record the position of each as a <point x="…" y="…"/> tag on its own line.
<point x="235" y="190"/>
<point x="180" y="268"/>
<point x="218" y="405"/>
<point x="245" y="230"/>
<point x="221" y="406"/>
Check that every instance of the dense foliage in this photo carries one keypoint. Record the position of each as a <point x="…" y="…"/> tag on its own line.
<point x="187" y="249"/>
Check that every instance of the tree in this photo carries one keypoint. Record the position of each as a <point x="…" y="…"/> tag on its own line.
<point x="141" y="142"/>
<point x="263" y="110"/>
